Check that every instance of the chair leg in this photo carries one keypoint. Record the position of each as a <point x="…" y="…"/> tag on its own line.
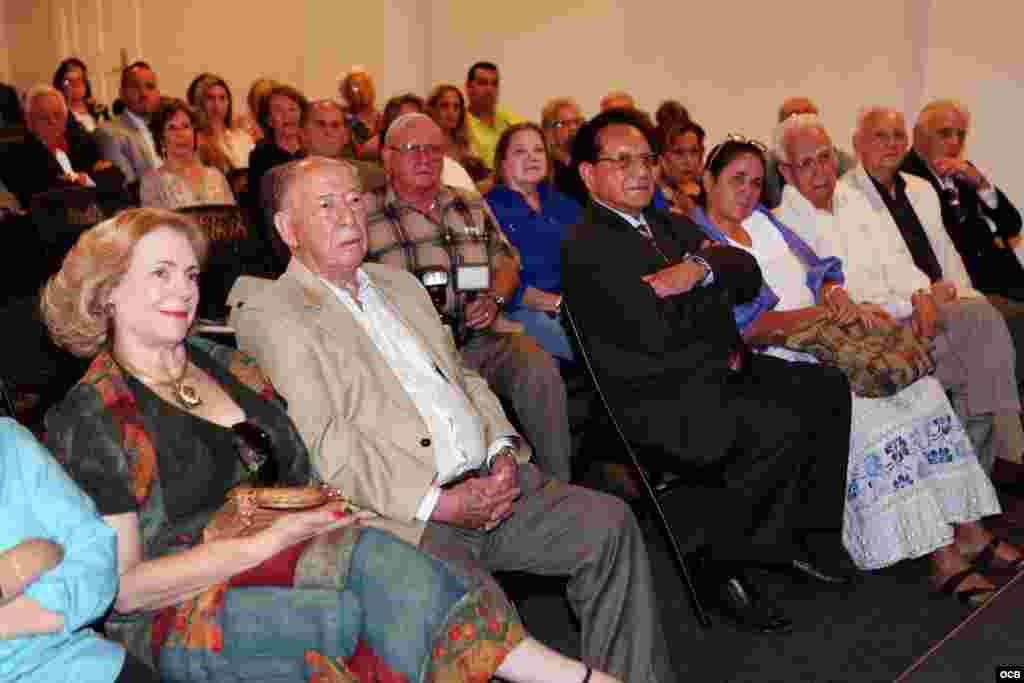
<point x="691" y="586"/>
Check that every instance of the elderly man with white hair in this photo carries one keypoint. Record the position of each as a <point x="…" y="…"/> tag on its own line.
<point x="906" y="266"/>
<point x="449" y="238"/>
<point x="398" y="423"/>
<point x="53" y="155"/>
<point x="979" y="218"/>
<point x="774" y="181"/>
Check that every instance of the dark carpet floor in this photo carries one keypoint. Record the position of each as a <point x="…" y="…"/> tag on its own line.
<point x="872" y="631"/>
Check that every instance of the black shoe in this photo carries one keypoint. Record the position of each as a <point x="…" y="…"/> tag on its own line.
<point x="834" y="576"/>
<point x="832" y="566"/>
<point x="740" y="603"/>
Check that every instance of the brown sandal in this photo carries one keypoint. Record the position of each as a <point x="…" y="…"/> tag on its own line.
<point x="972" y="597"/>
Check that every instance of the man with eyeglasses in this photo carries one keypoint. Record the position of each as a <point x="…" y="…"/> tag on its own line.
<point x="884" y="226"/>
<point x="398" y="423"/>
<point x="449" y="238"/>
<point x="486" y="119"/>
<point x="654" y="300"/>
<point x="774" y="180"/>
<point x="979" y="218"/>
<point x="561" y="119"/>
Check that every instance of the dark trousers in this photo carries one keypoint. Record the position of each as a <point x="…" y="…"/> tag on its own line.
<point x="594" y="539"/>
<point x="786" y="469"/>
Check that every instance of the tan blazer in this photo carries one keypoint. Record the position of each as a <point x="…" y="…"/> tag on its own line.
<point x="363" y="431"/>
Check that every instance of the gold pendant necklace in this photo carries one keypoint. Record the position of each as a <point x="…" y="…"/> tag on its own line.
<point x="186" y="394"/>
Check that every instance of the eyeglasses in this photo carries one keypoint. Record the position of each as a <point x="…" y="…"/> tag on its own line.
<point x="256" y="451"/>
<point x="822" y="159"/>
<point x="738" y="139"/>
<point x="566" y="123"/>
<point x="626" y="161"/>
<point x="432" y="151"/>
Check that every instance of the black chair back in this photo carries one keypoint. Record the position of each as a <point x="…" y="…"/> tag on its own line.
<point x="66" y="210"/>
<point x="653" y="491"/>
<point x="60" y="216"/>
<point x="235" y="250"/>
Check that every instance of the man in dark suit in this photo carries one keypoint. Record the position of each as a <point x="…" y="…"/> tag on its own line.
<point x="655" y="300"/>
<point x="978" y="216"/>
<point x="10" y="106"/>
<point x="53" y="155"/>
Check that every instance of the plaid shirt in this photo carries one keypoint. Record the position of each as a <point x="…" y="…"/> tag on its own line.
<point x="466" y="233"/>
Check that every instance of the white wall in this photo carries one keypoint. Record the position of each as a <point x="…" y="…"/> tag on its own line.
<point x="731" y="64"/>
<point x="976" y="57"/>
<point x="5" y="53"/>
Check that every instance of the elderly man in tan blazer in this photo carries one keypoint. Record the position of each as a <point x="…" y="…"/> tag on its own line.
<point x="398" y="424"/>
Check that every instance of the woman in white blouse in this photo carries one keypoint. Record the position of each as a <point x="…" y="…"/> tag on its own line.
<point x="914" y="485"/>
<point x="183" y="179"/>
<point x="222" y="144"/>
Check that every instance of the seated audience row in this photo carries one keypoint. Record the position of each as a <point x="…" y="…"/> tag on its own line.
<point x="161" y="428"/>
<point x="686" y="285"/>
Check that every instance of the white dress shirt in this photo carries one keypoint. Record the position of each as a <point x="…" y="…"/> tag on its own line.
<point x="65" y="165"/>
<point x="451" y="418"/>
<point x="860" y="230"/>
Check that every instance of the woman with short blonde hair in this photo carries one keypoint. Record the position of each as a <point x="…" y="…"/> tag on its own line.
<point x="74" y="303"/>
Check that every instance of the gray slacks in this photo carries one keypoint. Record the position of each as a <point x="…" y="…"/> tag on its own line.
<point x="521" y="372"/>
<point x="562" y="530"/>
<point x="976" y="362"/>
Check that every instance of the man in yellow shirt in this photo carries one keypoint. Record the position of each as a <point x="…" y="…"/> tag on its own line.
<point x="486" y="120"/>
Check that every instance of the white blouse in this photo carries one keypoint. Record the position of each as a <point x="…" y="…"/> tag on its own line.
<point x="781" y="268"/>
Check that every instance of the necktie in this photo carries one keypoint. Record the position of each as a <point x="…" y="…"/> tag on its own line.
<point x="645" y="230"/>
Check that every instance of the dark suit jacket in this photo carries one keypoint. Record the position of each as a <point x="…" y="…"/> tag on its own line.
<point x="663" y="362"/>
<point x="993" y="270"/>
<point x="10" y="107"/>
<point x="29" y="168"/>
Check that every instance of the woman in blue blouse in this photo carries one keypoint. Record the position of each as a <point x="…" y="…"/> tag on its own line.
<point x="57" y="573"/>
<point x="535" y="218"/>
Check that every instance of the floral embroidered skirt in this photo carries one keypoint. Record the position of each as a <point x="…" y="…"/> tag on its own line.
<point x="351" y="605"/>
<point x="912" y="474"/>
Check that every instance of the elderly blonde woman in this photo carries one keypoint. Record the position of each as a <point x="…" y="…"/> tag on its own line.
<point x="183" y="179"/>
<point x="156" y="433"/>
<point x="561" y="119"/>
<point x="223" y="144"/>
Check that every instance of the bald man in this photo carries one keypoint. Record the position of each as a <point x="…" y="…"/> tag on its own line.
<point x="617" y="99"/>
<point x="979" y="218"/>
<point x="399" y="424"/>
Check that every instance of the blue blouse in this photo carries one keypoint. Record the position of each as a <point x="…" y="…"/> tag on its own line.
<point x="37" y="499"/>
<point x="537" y="236"/>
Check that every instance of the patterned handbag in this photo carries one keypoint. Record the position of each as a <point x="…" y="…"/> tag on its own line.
<point x="878" y="362"/>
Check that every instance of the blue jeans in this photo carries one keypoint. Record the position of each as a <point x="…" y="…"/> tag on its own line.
<point x="546" y="330"/>
<point x="395" y="599"/>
